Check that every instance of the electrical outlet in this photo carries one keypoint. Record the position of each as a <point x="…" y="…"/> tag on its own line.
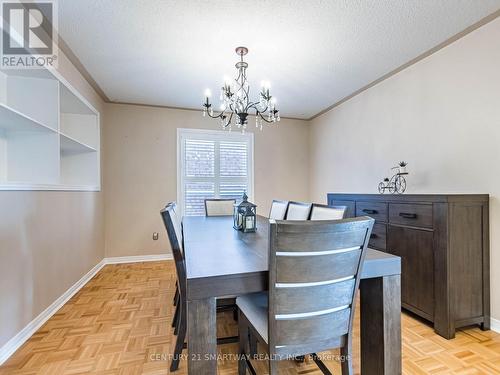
<point x="155" y="236"/>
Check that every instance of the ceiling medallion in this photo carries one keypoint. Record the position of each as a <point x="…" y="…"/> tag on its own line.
<point x="235" y="102"/>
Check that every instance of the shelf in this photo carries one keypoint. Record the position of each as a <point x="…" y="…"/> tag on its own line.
<point x="24" y="186"/>
<point x="49" y="134"/>
<point x="12" y="120"/>
<point x="70" y="146"/>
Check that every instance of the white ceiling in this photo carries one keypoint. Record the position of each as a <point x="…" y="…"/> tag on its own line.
<point x="313" y="52"/>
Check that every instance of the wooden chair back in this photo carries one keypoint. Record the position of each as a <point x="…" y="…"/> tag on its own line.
<point x="314" y="273"/>
<point x="219" y="207"/>
<point x="278" y="210"/>
<point x="325" y="212"/>
<point x="298" y="211"/>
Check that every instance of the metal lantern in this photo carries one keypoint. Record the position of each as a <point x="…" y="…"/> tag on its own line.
<point x="244" y="215"/>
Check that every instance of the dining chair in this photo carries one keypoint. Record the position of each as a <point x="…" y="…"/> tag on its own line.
<point x="219" y="207"/>
<point x="325" y="212"/>
<point x="278" y="210"/>
<point x="314" y="273"/>
<point x="176" y="294"/>
<point x="298" y="211"/>
<point x="173" y="226"/>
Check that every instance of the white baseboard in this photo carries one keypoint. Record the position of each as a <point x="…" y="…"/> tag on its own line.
<point x="20" y="338"/>
<point x="14" y="343"/>
<point x="138" y="258"/>
<point x="495" y="325"/>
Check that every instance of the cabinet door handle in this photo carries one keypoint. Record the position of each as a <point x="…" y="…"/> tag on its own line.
<point x="407" y="215"/>
<point x="373" y="235"/>
<point x="370" y="212"/>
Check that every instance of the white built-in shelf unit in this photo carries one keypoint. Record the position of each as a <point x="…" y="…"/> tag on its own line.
<point x="49" y="134"/>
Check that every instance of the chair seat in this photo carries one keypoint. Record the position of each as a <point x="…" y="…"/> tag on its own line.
<point x="255" y="308"/>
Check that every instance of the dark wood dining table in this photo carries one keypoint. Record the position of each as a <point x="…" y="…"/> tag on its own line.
<point x="221" y="261"/>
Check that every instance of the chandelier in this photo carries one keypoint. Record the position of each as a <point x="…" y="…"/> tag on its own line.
<point x="235" y="102"/>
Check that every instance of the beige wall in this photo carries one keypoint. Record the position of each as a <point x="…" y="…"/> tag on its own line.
<point x="140" y="162"/>
<point x="48" y="240"/>
<point x="442" y="115"/>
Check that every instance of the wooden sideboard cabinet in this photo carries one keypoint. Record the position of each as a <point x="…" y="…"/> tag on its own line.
<point x="443" y="241"/>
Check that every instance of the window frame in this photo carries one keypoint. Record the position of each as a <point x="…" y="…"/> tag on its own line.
<point x="214" y="135"/>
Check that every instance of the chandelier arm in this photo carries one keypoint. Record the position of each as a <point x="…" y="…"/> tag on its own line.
<point x="242" y="75"/>
<point x="238" y="78"/>
<point x="263" y="118"/>
<point x="247" y="91"/>
<point x="253" y="105"/>
<point x="228" y="121"/>
<point x="212" y="116"/>
<point x="242" y="88"/>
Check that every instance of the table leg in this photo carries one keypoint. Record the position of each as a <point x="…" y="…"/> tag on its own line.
<point x="381" y="325"/>
<point x="202" y="337"/>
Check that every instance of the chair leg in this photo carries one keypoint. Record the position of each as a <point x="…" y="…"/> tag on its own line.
<point x="346" y="357"/>
<point x="252" y="344"/>
<point x="235" y="314"/>
<point x="320" y="364"/>
<point x="179" y="343"/>
<point x="243" y="341"/>
<point x="176" y="295"/>
<point x="176" y="317"/>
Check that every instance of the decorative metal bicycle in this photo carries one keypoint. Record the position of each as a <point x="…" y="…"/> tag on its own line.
<point x="397" y="183"/>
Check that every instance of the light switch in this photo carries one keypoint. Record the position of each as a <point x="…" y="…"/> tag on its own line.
<point x="155" y="236"/>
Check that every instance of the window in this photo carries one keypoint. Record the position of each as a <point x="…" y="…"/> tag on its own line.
<point x="212" y="164"/>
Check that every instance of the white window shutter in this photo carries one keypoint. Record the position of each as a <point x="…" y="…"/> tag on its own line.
<point x="213" y="165"/>
<point x="199" y="158"/>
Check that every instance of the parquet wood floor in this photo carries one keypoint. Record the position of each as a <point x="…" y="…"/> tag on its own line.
<point x="119" y="323"/>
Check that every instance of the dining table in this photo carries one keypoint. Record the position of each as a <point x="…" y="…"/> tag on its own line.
<point x="221" y="261"/>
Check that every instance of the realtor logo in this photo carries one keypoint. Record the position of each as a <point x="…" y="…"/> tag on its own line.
<point x="28" y="34"/>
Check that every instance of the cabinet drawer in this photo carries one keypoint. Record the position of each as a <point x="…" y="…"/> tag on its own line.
<point x="415" y="215"/>
<point x="378" y="238"/>
<point x="375" y="210"/>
